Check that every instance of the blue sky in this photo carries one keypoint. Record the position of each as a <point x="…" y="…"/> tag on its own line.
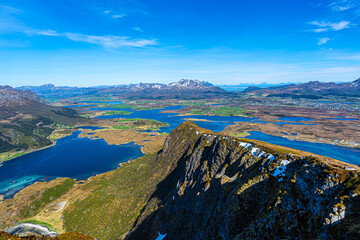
<point x="110" y="42"/>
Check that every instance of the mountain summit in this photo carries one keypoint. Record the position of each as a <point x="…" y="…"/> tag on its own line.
<point x="220" y="187"/>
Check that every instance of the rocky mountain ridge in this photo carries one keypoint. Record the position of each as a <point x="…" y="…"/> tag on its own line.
<point x="219" y="187"/>
<point x="183" y="89"/>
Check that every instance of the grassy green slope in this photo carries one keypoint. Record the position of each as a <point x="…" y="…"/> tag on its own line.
<point x="116" y="200"/>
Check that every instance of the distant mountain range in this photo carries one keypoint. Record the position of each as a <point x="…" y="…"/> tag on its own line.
<point x="313" y="88"/>
<point x="185" y="88"/>
<point x="195" y="89"/>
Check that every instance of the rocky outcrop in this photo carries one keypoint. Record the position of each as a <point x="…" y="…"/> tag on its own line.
<point x="220" y="187"/>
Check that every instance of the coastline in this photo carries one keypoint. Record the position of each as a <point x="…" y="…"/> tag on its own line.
<point x="24" y="152"/>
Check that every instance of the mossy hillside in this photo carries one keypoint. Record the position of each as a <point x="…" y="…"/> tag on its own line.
<point x="29" y="201"/>
<point x="116" y="199"/>
<point x="32" y="131"/>
<point x="46" y="197"/>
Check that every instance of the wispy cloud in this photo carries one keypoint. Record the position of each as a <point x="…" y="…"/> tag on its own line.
<point x="341" y="5"/>
<point x="330" y="26"/>
<point x="6" y="10"/>
<point x="138" y="29"/>
<point x="109" y="41"/>
<point x="322" y="41"/>
<point x="118" y="15"/>
<point x="115" y="15"/>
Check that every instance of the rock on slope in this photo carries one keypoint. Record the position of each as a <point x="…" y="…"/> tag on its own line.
<point x="221" y="188"/>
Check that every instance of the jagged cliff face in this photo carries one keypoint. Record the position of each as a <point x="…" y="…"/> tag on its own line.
<point x="221" y="188"/>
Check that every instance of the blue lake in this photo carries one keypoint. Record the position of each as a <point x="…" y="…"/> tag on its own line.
<point x="295" y="119"/>
<point x="72" y="157"/>
<point x="350" y="155"/>
<point x="214" y="123"/>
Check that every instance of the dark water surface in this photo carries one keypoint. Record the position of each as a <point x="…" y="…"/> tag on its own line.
<point x="72" y="157"/>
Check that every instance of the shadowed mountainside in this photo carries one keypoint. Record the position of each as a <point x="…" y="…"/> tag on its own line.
<point x="221" y="188"/>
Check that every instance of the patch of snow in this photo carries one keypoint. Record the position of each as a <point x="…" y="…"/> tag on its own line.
<point x="271" y="158"/>
<point x="262" y="154"/>
<point x="349" y="168"/>
<point x="254" y="151"/>
<point x="245" y="145"/>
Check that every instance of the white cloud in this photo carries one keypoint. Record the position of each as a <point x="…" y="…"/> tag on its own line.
<point x="138" y="29"/>
<point x="318" y="30"/>
<point x="322" y="41"/>
<point x="107" y="12"/>
<point x="109" y="41"/>
<point x="330" y="26"/>
<point x="118" y="15"/>
<point x="48" y="32"/>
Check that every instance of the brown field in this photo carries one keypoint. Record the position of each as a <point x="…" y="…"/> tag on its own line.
<point x="150" y="142"/>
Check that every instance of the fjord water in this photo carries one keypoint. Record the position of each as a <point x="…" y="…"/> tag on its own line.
<point x="72" y="157"/>
<point x="219" y="123"/>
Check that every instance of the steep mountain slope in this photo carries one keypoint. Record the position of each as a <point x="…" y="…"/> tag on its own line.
<point x="221" y="188"/>
<point x="312" y="88"/>
<point x="25" y="122"/>
<point x="192" y="89"/>
<point x="204" y="185"/>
